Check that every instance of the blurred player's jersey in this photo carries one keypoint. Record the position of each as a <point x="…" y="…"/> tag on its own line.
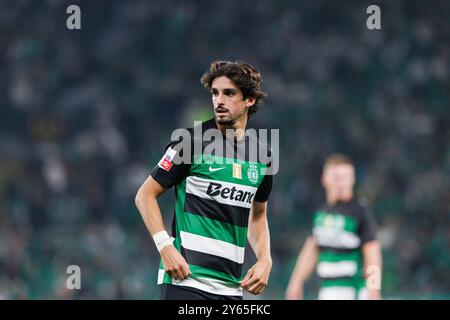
<point x="340" y="231"/>
<point x="214" y="195"/>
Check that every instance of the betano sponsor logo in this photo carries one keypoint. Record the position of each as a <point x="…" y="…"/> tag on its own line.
<point x="223" y="192"/>
<point x="216" y="189"/>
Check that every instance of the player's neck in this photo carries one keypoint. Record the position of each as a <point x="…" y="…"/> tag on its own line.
<point x="238" y="127"/>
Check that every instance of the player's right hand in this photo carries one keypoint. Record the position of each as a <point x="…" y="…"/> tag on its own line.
<point x="174" y="263"/>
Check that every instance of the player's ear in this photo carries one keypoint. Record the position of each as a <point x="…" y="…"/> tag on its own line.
<point x="322" y="180"/>
<point x="250" y="101"/>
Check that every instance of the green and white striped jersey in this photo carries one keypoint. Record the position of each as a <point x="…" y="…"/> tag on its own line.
<point x="214" y="195"/>
<point x="340" y="231"/>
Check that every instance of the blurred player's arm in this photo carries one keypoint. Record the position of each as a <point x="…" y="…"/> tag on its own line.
<point x="257" y="277"/>
<point x="372" y="258"/>
<point x="304" y="266"/>
<point x="371" y="253"/>
<point x="146" y="201"/>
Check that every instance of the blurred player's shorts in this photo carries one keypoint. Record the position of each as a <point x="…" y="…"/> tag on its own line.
<point x="343" y="293"/>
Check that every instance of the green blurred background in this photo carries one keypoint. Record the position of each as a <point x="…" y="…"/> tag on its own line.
<point x="86" y="114"/>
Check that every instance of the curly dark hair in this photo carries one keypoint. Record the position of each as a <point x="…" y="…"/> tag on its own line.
<point x="243" y="75"/>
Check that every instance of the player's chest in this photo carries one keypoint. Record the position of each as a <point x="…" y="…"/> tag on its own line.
<point x="228" y="170"/>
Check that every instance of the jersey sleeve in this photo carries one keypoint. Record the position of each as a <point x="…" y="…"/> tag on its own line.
<point x="263" y="192"/>
<point x="264" y="189"/>
<point x="171" y="170"/>
<point x="310" y="223"/>
<point x="367" y="227"/>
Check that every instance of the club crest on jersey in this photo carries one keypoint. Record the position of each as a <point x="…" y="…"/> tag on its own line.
<point x="166" y="161"/>
<point x="252" y="173"/>
<point x="237" y="171"/>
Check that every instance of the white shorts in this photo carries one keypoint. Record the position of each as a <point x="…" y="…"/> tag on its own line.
<point x="343" y="293"/>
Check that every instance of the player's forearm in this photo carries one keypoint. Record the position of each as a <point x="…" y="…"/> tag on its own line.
<point x="306" y="262"/>
<point x="373" y="267"/>
<point x="149" y="209"/>
<point x="259" y="237"/>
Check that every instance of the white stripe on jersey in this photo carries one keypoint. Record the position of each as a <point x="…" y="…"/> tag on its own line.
<point x="205" y="284"/>
<point x="215" y="247"/>
<point x="336" y="269"/>
<point x="210" y="285"/>
<point x="336" y="238"/>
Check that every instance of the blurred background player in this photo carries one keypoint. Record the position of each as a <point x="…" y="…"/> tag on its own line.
<point x="343" y="245"/>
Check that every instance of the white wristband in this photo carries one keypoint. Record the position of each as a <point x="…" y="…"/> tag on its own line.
<point x="162" y="240"/>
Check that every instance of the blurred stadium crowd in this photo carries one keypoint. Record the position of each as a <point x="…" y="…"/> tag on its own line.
<point x="86" y="114"/>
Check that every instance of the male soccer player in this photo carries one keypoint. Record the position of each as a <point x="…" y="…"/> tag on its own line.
<point x="220" y="199"/>
<point x="343" y="245"/>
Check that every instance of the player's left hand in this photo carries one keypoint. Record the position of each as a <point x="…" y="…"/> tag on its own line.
<point x="257" y="277"/>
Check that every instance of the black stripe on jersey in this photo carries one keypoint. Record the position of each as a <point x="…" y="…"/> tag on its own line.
<point x="351" y="280"/>
<point x="336" y="250"/>
<point x="212" y="262"/>
<point x="235" y="215"/>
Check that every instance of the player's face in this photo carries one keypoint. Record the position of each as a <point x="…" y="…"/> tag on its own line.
<point x="228" y="101"/>
<point x="338" y="180"/>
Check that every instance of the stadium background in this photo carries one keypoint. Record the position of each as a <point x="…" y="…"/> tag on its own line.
<point x="86" y="114"/>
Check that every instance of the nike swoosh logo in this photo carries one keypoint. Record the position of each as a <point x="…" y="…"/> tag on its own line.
<point x="214" y="169"/>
